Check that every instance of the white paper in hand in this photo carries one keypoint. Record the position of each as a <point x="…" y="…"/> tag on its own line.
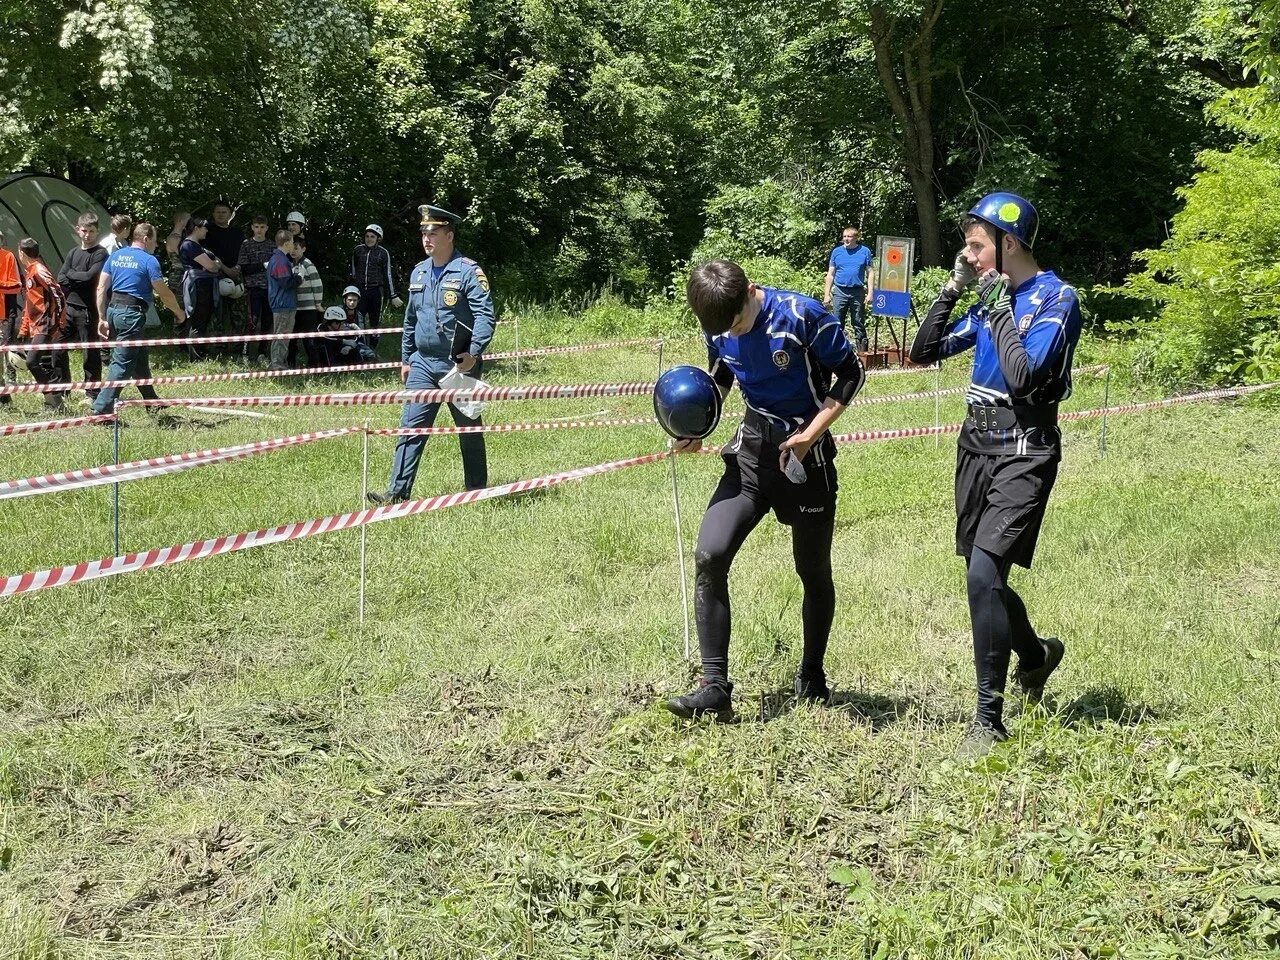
<point x="455" y="379"/>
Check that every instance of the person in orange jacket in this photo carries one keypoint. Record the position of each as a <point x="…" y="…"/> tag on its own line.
<point x="10" y="286"/>
<point x="43" y="321"/>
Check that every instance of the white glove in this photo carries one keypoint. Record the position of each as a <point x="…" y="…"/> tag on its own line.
<point x="397" y="302"/>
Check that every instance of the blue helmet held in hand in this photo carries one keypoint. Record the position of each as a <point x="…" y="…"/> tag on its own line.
<point x="686" y="402"/>
<point x="1011" y="214"/>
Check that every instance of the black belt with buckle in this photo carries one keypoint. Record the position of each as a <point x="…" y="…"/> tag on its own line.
<point x="767" y="429"/>
<point x="127" y="300"/>
<point x="987" y="417"/>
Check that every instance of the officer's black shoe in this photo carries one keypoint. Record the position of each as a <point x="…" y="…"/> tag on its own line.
<point x="1032" y="681"/>
<point x="812" y="688"/>
<point x="979" y="737"/>
<point x="713" y="697"/>
<point x="385" y="498"/>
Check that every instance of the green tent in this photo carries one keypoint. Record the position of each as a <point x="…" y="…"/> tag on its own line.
<point x="45" y="207"/>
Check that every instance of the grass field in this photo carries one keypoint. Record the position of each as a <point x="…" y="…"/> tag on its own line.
<point x="216" y="760"/>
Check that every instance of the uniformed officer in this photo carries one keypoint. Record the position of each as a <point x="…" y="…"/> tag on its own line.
<point x="783" y="349"/>
<point x="1024" y="330"/>
<point x="448" y="322"/>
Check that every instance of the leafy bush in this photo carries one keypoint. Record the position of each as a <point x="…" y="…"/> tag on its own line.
<point x="1216" y="281"/>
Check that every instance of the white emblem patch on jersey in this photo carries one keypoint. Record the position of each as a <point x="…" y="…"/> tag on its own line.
<point x="781" y="359"/>
<point x="1024" y="323"/>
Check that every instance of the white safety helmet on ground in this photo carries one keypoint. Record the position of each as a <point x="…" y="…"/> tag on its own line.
<point x="296" y="216"/>
<point x="350" y="290"/>
<point x="335" y="313"/>
<point x="374" y="228"/>
<point x="231" y="289"/>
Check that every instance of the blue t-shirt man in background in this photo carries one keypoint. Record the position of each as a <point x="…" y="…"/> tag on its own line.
<point x="846" y="292"/>
<point x="130" y="279"/>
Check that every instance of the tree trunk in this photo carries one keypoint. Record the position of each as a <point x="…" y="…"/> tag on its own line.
<point x="911" y="99"/>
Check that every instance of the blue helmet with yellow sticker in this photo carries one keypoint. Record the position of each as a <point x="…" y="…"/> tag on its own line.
<point x="686" y="401"/>
<point x="1011" y="214"/>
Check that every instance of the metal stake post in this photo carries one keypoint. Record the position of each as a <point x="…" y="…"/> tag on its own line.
<point x="1106" y="401"/>
<point x="364" y="493"/>
<point x="517" y="350"/>
<point x="684" y="576"/>
<point x="661" y="344"/>
<point x="115" y="487"/>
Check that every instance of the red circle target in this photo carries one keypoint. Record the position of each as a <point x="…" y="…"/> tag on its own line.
<point x="894" y="256"/>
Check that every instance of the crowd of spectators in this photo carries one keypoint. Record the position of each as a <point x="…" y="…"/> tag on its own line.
<point x="225" y="283"/>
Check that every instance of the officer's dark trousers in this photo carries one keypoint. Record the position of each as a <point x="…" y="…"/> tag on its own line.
<point x="729" y="519"/>
<point x="849" y="302"/>
<point x="371" y="307"/>
<point x="404" y="467"/>
<point x="49" y="366"/>
<point x="1000" y="625"/>
<point x="85" y="324"/>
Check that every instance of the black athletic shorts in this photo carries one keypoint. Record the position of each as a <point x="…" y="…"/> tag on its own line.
<point x="751" y="468"/>
<point x="1001" y="500"/>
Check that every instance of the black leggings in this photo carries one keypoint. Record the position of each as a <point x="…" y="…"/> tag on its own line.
<point x="1000" y="625"/>
<point x="725" y="527"/>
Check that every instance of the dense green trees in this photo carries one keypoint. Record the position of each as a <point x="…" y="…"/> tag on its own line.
<point x="605" y="141"/>
<point x="1216" y="281"/>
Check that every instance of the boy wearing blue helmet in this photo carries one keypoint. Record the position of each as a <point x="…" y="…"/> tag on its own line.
<point x="797" y="372"/>
<point x="1024" y="330"/>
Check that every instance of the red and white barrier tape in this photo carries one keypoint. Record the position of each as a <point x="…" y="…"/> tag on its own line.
<point x="905" y="433"/>
<point x="184" y="341"/>
<point x="574" y="348"/>
<point x="165" y="556"/>
<point x="1220" y="394"/>
<point x="627" y="422"/>
<point x="509" y="427"/>
<point x="156" y="466"/>
<point x="40" y="426"/>
<point x="546" y="392"/>
<point x="886" y="371"/>
<point x="199" y="549"/>
<point x="195" y="378"/>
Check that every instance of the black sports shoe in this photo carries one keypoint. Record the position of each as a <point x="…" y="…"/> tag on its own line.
<point x="1032" y="681"/>
<point x="385" y="498"/>
<point x="712" y="697"/>
<point x="812" y="688"/>
<point x="979" y="737"/>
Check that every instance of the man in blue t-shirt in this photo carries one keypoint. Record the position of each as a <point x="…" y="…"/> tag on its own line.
<point x="846" y="292"/>
<point x="797" y="372"/>
<point x="130" y="278"/>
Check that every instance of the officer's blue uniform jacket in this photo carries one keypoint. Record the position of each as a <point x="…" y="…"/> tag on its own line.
<point x="783" y="363"/>
<point x="1047" y="314"/>
<point x="448" y="316"/>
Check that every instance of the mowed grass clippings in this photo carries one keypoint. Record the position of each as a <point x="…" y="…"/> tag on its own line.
<point x="217" y="760"/>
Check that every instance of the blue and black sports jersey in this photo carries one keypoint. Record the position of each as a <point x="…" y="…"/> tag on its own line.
<point x="1047" y="315"/>
<point x="783" y="363"/>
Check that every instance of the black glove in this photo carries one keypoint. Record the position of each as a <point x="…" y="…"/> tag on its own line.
<point x="993" y="292"/>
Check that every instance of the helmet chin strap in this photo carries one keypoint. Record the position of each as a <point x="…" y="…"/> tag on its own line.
<point x="999" y="250"/>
